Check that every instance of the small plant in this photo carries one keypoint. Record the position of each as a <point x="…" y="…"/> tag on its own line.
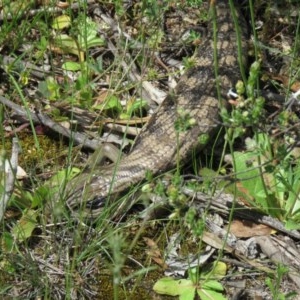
<point x="268" y="173"/>
<point x="270" y="177"/>
<point x="74" y="37"/>
<point x="203" y="283"/>
<point x="194" y="3"/>
<point x="29" y="204"/>
<point x="246" y="112"/>
<point x="274" y="284"/>
<point x="80" y="39"/>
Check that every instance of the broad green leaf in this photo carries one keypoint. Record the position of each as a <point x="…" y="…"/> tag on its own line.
<point x="7" y="241"/>
<point x="111" y="103"/>
<point x="247" y="170"/>
<point x="64" y="41"/>
<point x="210" y="295"/>
<point x="166" y="286"/>
<point x="213" y="285"/>
<point x="193" y="274"/>
<point x="186" y="287"/>
<point x="71" y="66"/>
<point x="172" y="287"/>
<point x="51" y="186"/>
<point x="61" y="176"/>
<point x="61" y="22"/>
<point x="49" y="88"/>
<point x="87" y="37"/>
<point x="134" y="106"/>
<point x="292" y="185"/>
<point x="219" y="270"/>
<point x="25" y="226"/>
<point x="95" y="42"/>
<point x="88" y="28"/>
<point x="188" y="294"/>
<point x="39" y="196"/>
<point x="292" y="225"/>
<point x="67" y="45"/>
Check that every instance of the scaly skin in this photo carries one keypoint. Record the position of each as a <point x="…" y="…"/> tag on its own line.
<point x="159" y="146"/>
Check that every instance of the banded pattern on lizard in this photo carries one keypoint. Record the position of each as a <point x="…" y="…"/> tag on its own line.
<point x="160" y="145"/>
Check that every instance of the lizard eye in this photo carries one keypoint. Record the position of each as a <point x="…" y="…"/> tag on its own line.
<point x="96" y="203"/>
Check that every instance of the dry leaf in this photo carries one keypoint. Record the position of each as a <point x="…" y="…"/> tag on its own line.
<point x="246" y="229"/>
<point x="154" y="252"/>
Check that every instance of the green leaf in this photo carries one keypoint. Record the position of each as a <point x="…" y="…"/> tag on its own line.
<point x="185" y="288"/>
<point x="71" y="66"/>
<point x="7" y="241"/>
<point x="247" y="170"/>
<point x="292" y="225"/>
<point x="61" y="176"/>
<point x="172" y="287"/>
<point x="49" y="88"/>
<point x="213" y="285"/>
<point x="40" y="194"/>
<point x="111" y="103"/>
<point x="218" y="270"/>
<point x="88" y="27"/>
<point x="46" y="191"/>
<point x="66" y="44"/>
<point x="193" y="274"/>
<point x="61" y="22"/>
<point x="95" y="42"/>
<point x="135" y="106"/>
<point x="25" y="226"/>
<point x="166" y="286"/>
<point x="188" y="294"/>
<point x="87" y="37"/>
<point x="210" y="295"/>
